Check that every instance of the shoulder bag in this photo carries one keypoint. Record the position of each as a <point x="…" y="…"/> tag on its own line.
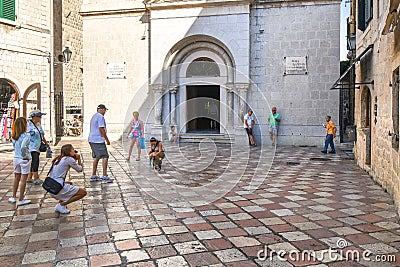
<point x="51" y="185"/>
<point x="43" y="145"/>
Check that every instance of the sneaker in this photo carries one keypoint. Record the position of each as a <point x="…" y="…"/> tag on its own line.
<point x="95" y="178"/>
<point x="107" y="179"/>
<point x="332" y="152"/>
<point x="38" y="182"/>
<point x="29" y="181"/>
<point x="23" y="202"/>
<point x="61" y="209"/>
<point x="137" y="159"/>
<point x="12" y="200"/>
<point x="323" y="151"/>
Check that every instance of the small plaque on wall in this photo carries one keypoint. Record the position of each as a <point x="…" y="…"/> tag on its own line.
<point x="116" y="70"/>
<point x="295" y="65"/>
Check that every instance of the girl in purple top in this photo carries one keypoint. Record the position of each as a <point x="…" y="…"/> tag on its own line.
<point x="61" y="165"/>
<point x="136" y="132"/>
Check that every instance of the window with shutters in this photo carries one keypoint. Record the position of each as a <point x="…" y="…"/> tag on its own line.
<point x="7" y="9"/>
<point x="365" y="13"/>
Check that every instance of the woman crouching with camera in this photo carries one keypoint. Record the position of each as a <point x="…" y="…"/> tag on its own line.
<point x="69" y="158"/>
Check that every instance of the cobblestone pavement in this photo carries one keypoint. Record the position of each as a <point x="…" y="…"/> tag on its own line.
<point x="309" y="201"/>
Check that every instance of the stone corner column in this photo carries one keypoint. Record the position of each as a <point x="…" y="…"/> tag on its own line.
<point x="229" y="87"/>
<point x="157" y="90"/>
<point x="173" y="89"/>
<point x="241" y="90"/>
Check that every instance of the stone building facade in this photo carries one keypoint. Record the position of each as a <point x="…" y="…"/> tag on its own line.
<point x="25" y="45"/>
<point x="32" y="38"/>
<point x="175" y="61"/>
<point x="377" y="93"/>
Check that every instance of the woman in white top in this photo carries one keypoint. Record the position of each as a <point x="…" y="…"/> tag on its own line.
<point x="61" y="165"/>
<point x="22" y="161"/>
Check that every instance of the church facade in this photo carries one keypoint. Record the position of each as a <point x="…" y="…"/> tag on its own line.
<point x="200" y="65"/>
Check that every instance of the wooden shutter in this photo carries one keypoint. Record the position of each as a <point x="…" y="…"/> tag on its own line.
<point x="361" y="15"/>
<point x="7" y="9"/>
<point x="368" y="12"/>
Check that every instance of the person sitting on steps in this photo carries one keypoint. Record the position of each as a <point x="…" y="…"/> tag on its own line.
<point x="156" y="153"/>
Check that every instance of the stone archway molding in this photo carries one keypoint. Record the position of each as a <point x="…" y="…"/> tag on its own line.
<point x="191" y="44"/>
<point x="38" y="97"/>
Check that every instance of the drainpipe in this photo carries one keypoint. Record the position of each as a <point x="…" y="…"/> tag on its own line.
<point x="51" y="78"/>
<point x="148" y="42"/>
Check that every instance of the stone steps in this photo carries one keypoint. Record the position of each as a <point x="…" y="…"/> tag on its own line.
<point x="211" y="138"/>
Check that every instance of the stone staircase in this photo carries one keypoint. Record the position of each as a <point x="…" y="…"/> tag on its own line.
<point x="212" y="138"/>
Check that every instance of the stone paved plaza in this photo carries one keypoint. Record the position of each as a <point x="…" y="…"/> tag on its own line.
<point x="308" y="202"/>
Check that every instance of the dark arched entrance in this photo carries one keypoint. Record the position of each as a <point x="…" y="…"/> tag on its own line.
<point x="366" y="122"/>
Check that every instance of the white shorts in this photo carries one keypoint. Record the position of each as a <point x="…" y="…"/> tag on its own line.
<point x="273" y="130"/>
<point x="22" y="166"/>
<point x="66" y="192"/>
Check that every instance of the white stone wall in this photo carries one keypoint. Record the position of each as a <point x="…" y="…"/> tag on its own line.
<point x="22" y="47"/>
<point x="303" y="101"/>
<point x="228" y="24"/>
<point x="114" y="38"/>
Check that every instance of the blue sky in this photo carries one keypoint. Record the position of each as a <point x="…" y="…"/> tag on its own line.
<point x="344" y="13"/>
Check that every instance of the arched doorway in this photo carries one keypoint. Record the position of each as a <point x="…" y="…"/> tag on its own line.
<point x="32" y="98"/>
<point x="366" y="122"/>
<point x="201" y="68"/>
<point x="9" y="108"/>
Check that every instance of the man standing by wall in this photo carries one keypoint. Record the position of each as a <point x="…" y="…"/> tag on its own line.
<point x="98" y="140"/>
<point x="274" y="119"/>
<point x="330" y="135"/>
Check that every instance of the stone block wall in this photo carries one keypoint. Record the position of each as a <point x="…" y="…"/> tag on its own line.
<point x="377" y="66"/>
<point x="24" y="46"/>
<point x="297" y="30"/>
<point x="73" y="38"/>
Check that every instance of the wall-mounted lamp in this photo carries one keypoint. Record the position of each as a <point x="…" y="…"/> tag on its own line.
<point x="390" y="84"/>
<point x="351" y="42"/>
<point x="261" y="30"/>
<point x="63" y="58"/>
<point x="67" y="54"/>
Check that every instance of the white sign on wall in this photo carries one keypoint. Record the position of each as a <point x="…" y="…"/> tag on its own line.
<point x="116" y="70"/>
<point x="295" y="65"/>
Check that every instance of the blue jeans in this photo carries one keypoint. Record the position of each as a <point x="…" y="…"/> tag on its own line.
<point x="329" y="141"/>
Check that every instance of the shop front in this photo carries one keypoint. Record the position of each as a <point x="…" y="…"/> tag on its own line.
<point x="9" y="109"/>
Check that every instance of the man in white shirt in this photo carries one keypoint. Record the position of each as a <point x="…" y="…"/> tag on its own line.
<point x="98" y="140"/>
<point x="249" y="125"/>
